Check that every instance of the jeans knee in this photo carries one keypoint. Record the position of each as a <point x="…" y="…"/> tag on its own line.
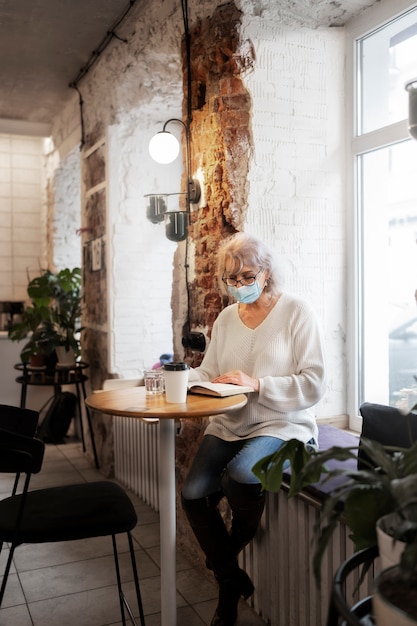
<point x="240" y="494"/>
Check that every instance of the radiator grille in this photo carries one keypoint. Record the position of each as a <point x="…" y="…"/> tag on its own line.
<point x="136" y="457"/>
<point x="279" y="563"/>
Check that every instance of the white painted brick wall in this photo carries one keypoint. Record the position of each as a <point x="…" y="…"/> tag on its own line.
<point x="141" y="258"/>
<point x="66" y="191"/>
<point x="296" y="201"/>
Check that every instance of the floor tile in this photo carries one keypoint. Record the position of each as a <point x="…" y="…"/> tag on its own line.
<point x="15" y="616"/>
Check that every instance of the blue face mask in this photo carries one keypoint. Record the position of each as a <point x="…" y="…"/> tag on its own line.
<point x="246" y="293"/>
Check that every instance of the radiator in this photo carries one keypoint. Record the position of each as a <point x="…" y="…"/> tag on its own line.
<point x="279" y="563"/>
<point x="136" y="457"/>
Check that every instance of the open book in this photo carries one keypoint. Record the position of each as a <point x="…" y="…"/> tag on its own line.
<point x="220" y="390"/>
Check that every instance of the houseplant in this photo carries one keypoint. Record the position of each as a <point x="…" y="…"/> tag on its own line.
<point x="386" y="484"/>
<point x="52" y="319"/>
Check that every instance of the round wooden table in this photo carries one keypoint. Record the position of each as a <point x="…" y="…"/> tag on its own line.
<point x="134" y="402"/>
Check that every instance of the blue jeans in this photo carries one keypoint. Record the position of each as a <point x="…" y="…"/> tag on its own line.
<point x="215" y="455"/>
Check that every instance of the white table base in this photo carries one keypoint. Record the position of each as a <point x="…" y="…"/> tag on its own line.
<point x="167" y="519"/>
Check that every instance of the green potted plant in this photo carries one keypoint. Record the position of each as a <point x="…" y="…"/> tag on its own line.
<point x="52" y="318"/>
<point x="387" y="484"/>
<point x="68" y="313"/>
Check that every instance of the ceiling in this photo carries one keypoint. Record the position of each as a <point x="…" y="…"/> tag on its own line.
<point x="45" y="43"/>
<point x="43" y="46"/>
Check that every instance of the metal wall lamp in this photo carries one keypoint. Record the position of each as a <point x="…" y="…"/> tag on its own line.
<point x="164" y="148"/>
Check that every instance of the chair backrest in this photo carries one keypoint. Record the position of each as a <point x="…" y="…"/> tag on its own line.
<point x="18" y="420"/>
<point x="19" y="453"/>
<point x="339" y="608"/>
<point x="388" y="426"/>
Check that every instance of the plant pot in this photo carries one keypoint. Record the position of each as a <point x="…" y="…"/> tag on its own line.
<point x="389" y="551"/>
<point x="65" y="356"/>
<point x="394" y="602"/>
<point x="37" y="360"/>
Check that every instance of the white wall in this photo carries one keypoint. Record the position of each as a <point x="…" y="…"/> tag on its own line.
<point x="296" y="201"/>
<point x="64" y="212"/>
<point x="140" y="271"/>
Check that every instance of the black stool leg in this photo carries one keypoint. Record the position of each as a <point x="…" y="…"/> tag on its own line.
<point x="90" y="425"/>
<point x="6" y="572"/>
<point x="119" y="582"/>
<point x="122" y="598"/>
<point x="80" y="414"/>
<point x="136" y="578"/>
<point x="23" y="392"/>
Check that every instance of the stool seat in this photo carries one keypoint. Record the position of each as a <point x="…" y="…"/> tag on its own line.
<point x="67" y="513"/>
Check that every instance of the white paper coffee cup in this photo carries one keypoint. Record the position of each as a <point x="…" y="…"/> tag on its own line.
<point x="176" y="380"/>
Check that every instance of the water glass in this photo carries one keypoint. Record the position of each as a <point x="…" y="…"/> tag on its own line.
<point x="154" y="382"/>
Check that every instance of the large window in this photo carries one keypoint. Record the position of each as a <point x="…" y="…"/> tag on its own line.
<point x="385" y="162"/>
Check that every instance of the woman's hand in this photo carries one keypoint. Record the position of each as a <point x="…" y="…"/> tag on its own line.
<point x="237" y="377"/>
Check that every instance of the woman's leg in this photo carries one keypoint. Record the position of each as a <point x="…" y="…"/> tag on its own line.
<point x="200" y="497"/>
<point x="243" y="490"/>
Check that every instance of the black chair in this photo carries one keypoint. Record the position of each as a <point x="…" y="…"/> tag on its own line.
<point x="341" y="613"/>
<point x="386" y="425"/>
<point x="17" y="420"/>
<point x="62" y="513"/>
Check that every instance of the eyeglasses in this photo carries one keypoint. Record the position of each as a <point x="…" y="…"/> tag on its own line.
<point x="247" y="279"/>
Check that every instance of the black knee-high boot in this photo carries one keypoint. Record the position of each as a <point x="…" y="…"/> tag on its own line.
<point x="215" y="541"/>
<point x="247" y="502"/>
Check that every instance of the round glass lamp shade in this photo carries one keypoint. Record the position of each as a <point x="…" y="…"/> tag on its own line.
<point x="164" y="147"/>
<point x="176" y="225"/>
<point x="412" y="107"/>
<point x="156" y="207"/>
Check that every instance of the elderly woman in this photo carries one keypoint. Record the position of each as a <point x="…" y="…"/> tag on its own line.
<point x="269" y="340"/>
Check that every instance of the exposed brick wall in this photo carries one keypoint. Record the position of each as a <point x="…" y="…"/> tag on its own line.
<point x="221" y="145"/>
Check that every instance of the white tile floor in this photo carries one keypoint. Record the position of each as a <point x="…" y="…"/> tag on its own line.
<point x="73" y="583"/>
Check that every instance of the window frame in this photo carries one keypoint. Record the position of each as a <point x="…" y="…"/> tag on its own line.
<point x="356" y="145"/>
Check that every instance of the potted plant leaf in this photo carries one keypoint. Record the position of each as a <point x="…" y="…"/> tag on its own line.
<point x="386" y="484"/>
<point x="53" y="317"/>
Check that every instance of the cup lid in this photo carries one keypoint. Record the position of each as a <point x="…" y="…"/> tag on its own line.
<point x="175" y="366"/>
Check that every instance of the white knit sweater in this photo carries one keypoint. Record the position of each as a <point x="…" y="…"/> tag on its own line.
<point x="285" y="352"/>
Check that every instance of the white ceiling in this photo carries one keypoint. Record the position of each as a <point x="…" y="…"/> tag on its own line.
<point x="45" y="43"/>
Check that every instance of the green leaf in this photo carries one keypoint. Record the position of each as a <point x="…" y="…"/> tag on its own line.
<point x="269" y="470"/>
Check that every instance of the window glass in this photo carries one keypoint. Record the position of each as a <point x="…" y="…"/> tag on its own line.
<point x="386" y="62"/>
<point x="388" y="207"/>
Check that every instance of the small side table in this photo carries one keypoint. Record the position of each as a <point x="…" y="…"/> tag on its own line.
<point x="60" y="375"/>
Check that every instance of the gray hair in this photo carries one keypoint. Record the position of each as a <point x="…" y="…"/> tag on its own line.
<point x="241" y="249"/>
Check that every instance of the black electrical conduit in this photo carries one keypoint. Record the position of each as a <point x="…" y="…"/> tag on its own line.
<point x="110" y="35"/>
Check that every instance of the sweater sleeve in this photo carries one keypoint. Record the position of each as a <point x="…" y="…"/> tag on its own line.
<point x="304" y="382"/>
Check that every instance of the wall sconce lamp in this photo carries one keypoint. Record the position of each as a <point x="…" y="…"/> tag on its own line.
<point x="164" y="148"/>
<point x="411" y="87"/>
